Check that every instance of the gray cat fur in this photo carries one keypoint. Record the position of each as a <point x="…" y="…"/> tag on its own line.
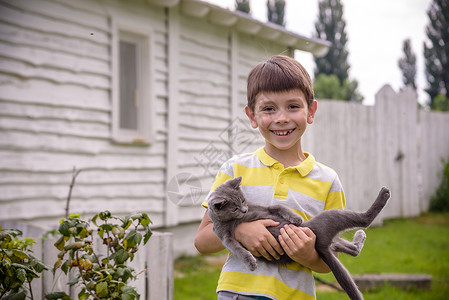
<point x="228" y="208"/>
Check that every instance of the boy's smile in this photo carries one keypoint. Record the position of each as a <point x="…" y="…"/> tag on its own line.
<point x="283" y="132"/>
<point x="282" y="119"/>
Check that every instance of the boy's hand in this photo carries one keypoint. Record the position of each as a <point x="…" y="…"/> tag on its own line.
<point x="258" y="240"/>
<point x="299" y="244"/>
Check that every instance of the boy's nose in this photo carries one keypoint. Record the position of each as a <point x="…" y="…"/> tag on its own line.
<point x="282" y="117"/>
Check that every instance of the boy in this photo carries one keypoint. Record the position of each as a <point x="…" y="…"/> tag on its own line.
<point x="280" y="104"/>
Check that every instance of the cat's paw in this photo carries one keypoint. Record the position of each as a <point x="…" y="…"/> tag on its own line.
<point x="385" y="194"/>
<point x="251" y="263"/>
<point x="359" y="236"/>
<point x="359" y="241"/>
<point x="296" y="220"/>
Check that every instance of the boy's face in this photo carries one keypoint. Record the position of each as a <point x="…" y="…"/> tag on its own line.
<point x="282" y="118"/>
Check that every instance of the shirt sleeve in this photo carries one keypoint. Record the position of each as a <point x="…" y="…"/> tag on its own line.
<point x="336" y="196"/>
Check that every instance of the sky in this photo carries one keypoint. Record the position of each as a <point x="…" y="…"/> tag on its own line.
<point x="376" y="31"/>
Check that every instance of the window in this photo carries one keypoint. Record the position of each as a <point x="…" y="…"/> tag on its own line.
<point x="131" y="88"/>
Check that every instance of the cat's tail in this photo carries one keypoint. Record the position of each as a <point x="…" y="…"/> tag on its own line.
<point x="342" y="275"/>
<point x="377" y="206"/>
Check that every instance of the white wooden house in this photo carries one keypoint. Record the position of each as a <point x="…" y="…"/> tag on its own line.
<point x="146" y="97"/>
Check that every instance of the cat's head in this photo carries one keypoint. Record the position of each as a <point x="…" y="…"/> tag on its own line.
<point x="228" y="202"/>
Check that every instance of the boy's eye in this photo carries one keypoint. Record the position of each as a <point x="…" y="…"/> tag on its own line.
<point x="294" y="106"/>
<point x="268" y="108"/>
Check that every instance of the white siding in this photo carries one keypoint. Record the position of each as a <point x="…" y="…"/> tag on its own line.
<point x="55" y="113"/>
<point x="204" y="106"/>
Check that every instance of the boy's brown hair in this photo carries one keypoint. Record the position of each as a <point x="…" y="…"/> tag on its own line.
<point x="278" y="74"/>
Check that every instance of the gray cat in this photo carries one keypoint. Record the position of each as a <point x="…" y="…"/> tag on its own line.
<point x="228" y="208"/>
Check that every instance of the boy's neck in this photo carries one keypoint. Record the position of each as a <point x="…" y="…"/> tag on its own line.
<point x="289" y="158"/>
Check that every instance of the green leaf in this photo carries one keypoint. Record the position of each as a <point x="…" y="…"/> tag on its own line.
<point x="65" y="266"/>
<point x="129" y="293"/>
<point x="148" y="234"/>
<point x="145" y="220"/>
<point x="39" y="266"/>
<point x="94" y="220"/>
<point x="74" y="216"/>
<point x="106" y="227"/>
<point x="127" y="222"/>
<point x="102" y="289"/>
<point x="105" y="215"/>
<point x="100" y="232"/>
<point x="125" y="273"/>
<point x="57" y="295"/>
<point x="64" y="228"/>
<point x="16" y="296"/>
<point x="121" y="256"/>
<point x="22" y="268"/>
<point x="73" y="281"/>
<point x="132" y="239"/>
<point x="21" y="275"/>
<point x="82" y="231"/>
<point x="83" y="295"/>
<point x="20" y="254"/>
<point x="60" y="243"/>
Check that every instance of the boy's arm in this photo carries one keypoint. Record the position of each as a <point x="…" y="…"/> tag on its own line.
<point x="206" y="241"/>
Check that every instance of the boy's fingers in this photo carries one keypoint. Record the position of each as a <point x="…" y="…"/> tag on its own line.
<point x="307" y="231"/>
<point x="298" y="232"/>
<point x="266" y="254"/>
<point x="270" y="249"/>
<point x="275" y="247"/>
<point x="269" y="223"/>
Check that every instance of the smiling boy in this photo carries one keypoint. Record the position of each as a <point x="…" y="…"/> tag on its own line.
<point x="280" y="105"/>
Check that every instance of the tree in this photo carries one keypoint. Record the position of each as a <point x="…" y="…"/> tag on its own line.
<point x="407" y="64"/>
<point x="329" y="87"/>
<point x="275" y="11"/>
<point x="436" y="53"/>
<point x="243" y="6"/>
<point x="331" y="26"/>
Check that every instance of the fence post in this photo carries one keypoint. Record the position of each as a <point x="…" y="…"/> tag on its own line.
<point x="160" y="266"/>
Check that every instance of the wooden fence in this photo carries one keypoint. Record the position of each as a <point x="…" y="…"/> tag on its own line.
<point x="154" y="261"/>
<point x="392" y="144"/>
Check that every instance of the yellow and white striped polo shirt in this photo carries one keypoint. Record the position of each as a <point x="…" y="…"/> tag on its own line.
<point x="307" y="189"/>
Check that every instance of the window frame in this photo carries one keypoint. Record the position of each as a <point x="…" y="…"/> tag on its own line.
<point x="143" y="39"/>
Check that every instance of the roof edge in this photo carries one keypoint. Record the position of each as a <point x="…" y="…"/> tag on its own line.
<point x="244" y="23"/>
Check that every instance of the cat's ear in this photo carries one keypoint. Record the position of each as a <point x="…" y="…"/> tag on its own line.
<point x="235" y="182"/>
<point x="220" y="204"/>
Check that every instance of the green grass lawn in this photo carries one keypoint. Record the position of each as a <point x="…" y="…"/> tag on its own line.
<point x="416" y="245"/>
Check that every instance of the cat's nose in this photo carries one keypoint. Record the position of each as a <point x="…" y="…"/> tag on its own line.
<point x="244" y="210"/>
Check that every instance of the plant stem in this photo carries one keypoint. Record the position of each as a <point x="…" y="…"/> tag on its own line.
<point x="74" y="174"/>
<point x="31" y="290"/>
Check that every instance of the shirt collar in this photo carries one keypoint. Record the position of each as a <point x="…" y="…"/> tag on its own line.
<point x="303" y="168"/>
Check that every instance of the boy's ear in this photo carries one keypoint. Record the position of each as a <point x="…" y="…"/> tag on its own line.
<point x="251" y="116"/>
<point x="312" y="110"/>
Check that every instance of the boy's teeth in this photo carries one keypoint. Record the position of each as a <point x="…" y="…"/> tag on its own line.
<point x="283" y="132"/>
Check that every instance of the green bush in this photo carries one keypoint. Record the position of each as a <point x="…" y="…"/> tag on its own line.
<point x="18" y="267"/>
<point x="101" y="277"/>
<point x="440" y="201"/>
